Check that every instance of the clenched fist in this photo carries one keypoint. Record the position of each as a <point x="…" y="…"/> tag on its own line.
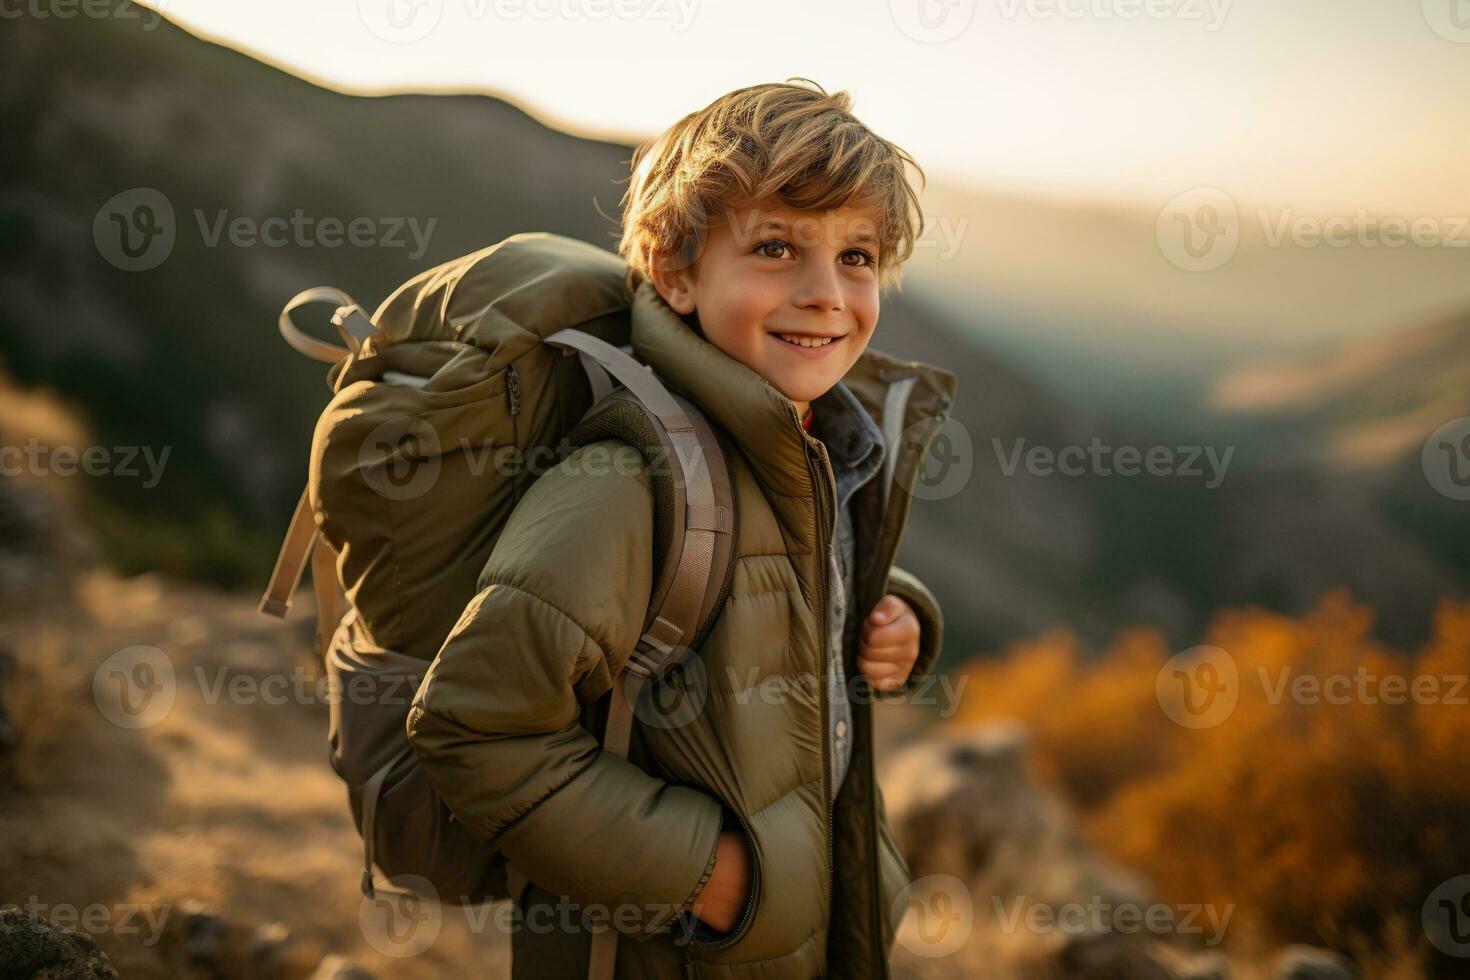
<point x="889" y="644"/>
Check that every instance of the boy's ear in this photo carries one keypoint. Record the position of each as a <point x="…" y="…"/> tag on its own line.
<point x="676" y="286"/>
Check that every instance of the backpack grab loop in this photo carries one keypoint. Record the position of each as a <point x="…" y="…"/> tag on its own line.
<point x="352" y="324"/>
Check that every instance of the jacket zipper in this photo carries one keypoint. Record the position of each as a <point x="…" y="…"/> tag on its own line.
<point x="824" y="540"/>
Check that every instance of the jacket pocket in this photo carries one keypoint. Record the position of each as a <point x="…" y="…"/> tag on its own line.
<point x="789" y="900"/>
<point x="705" y="938"/>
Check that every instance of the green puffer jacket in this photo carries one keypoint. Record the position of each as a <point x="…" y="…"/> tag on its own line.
<point x="501" y="722"/>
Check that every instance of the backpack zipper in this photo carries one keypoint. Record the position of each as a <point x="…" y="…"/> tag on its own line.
<point x="513" y="389"/>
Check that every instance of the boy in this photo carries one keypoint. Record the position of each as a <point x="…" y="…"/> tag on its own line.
<point x="749" y="839"/>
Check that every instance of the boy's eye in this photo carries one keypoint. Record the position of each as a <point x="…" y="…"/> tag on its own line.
<point x="774" y="248"/>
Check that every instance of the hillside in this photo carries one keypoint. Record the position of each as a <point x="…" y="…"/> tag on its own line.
<point x="113" y="127"/>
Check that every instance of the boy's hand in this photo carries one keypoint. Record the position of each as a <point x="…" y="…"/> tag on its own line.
<point x="723" y="896"/>
<point x="890" y="643"/>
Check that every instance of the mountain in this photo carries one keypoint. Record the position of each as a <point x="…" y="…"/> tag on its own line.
<point x="1082" y="295"/>
<point x="112" y="124"/>
<point x="1351" y="482"/>
<point x="163" y="196"/>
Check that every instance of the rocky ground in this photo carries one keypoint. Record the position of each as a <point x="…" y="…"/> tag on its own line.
<point x="1005" y="888"/>
<point x="208" y="837"/>
<point x="211" y="840"/>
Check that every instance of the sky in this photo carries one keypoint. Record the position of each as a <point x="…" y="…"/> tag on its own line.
<point x="1319" y="105"/>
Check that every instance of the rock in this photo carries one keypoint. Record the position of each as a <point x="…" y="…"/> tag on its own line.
<point x="33" y="949"/>
<point x="203" y="930"/>
<point x="335" y="967"/>
<point x="1206" y="966"/>
<point x="1107" y="956"/>
<point x="8" y="737"/>
<point x="962" y="803"/>
<point x="955" y="800"/>
<point x="40" y="546"/>
<point x="1302" y="962"/>
<point x="269" y="949"/>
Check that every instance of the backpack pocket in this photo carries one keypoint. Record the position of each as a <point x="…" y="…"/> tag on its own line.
<point x="407" y="830"/>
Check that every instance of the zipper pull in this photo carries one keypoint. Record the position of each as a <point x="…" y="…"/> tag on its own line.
<point x="513" y="389"/>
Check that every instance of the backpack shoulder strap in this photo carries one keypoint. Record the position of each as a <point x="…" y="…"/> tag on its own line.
<point x="699" y="558"/>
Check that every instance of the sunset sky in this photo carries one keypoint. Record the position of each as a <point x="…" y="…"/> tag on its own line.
<point x="1313" y="104"/>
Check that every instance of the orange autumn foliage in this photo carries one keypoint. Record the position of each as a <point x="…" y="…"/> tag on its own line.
<point x="1327" y="804"/>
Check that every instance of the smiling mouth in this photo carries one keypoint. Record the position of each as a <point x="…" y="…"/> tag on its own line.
<point x="807" y="342"/>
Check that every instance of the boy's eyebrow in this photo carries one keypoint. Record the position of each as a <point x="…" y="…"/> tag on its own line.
<point x="860" y="237"/>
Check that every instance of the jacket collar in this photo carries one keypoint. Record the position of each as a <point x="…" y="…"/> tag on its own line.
<point x="759" y="418"/>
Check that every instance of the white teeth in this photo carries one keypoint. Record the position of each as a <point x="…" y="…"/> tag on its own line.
<point x="806" y="341"/>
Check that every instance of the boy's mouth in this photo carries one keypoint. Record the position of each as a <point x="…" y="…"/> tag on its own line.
<point x="811" y="344"/>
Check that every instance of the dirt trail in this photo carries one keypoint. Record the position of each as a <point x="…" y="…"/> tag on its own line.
<point x="225" y="798"/>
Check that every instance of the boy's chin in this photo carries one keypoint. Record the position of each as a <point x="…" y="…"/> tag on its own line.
<point x="805" y="389"/>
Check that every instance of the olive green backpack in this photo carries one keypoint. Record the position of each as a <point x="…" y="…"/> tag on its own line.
<point x="447" y="403"/>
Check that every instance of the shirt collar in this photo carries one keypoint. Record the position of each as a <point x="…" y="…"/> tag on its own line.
<point x="846" y="428"/>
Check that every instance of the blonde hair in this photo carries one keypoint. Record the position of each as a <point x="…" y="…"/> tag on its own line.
<point x="786" y="141"/>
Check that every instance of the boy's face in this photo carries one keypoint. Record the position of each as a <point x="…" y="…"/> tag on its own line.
<point x="768" y="273"/>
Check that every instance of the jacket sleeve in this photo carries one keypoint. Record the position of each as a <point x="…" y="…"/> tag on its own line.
<point x="907" y="587"/>
<point x="495" y="722"/>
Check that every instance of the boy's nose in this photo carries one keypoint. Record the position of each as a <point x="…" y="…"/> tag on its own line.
<point x="819" y="290"/>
